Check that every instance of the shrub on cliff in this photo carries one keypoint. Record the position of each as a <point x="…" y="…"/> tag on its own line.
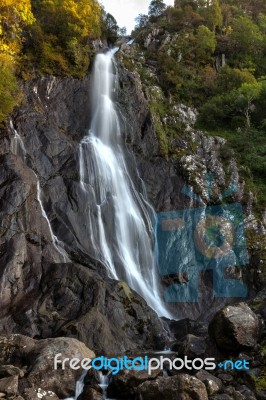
<point x="58" y="42"/>
<point x="44" y="36"/>
<point x="9" y="89"/>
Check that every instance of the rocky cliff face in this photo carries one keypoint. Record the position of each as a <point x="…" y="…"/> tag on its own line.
<point x="51" y="283"/>
<point x="46" y="290"/>
<point x="175" y="168"/>
<point x="44" y="211"/>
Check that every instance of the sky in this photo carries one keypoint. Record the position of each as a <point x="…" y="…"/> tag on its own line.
<point x="125" y="11"/>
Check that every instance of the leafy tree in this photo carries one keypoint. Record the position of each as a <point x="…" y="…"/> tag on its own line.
<point x="246" y="96"/>
<point x="232" y="78"/>
<point x="212" y="13"/>
<point x="184" y="3"/>
<point x="141" y="20"/>
<point x="246" y="39"/>
<point x="184" y="17"/>
<point x="233" y="109"/>
<point x="122" y="31"/>
<point x="9" y="90"/>
<point x="14" y="15"/>
<point x="258" y="114"/>
<point x="156" y="8"/>
<point x="58" y="41"/>
<point x="205" y="43"/>
<point x="110" y="28"/>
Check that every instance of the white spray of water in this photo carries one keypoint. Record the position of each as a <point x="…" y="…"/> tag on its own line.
<point x="79" y="386"/>
<point x="56" y="242"/>
<point x="17" y="146"/>
<point x="122" y="227"/>
<point x="104" y="383"/>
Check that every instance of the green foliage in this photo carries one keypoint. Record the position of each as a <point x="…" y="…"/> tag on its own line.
<point x="141" y="20"/>
<point x="9" y="90"/>
<point x="110" y="28"/>
<point x="232" y="78"/>
<point x="58" y="42"/>
<point x="246" y="41"/>
<point x="250" y="150"/>
<point x="47" y="36"/>
<point x="14" y="18"/>
<point x="156" y="8"/>
<point x="211" y="54"/>
<point x="212" y="14"/>
<point x="205" y="43"/>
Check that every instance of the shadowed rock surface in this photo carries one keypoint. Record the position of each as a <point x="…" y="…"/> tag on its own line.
<point x="235" y="328"/>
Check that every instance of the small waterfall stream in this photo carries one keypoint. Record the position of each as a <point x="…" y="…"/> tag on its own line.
<point x="17" y="146"/>
<point x="104" y="383"/>
<point x="59" y="246"/>
<point x="79" y="386"/>
<point x="121" y="225"/>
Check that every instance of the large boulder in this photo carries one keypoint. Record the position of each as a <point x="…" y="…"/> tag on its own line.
<point x="193" y="346"/>
<point x="124" y="385"/>
<point x="183" y="387"/>
<point x="102" y="313"/>
<point x="37" y="358"/>
<point x="212" y="383"/>
<point x="235" y="328"/>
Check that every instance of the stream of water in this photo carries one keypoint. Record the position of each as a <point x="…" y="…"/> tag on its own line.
<point x="122" y="228"/>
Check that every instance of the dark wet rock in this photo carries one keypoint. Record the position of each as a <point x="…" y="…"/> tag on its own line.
<point x="193" y="346"/>
<point x="91" y="380"/>
<point x="261" y="395"/>
<point x="184" y="327"/>
<point x="39" y="355"/>
<point x="225" y="377"/>
<point x="34" y="394"/>
<point x="235" y="328"/>
<point x="246" y="392"/>
<point x="222" y="396"/>
<point x="99" y="313"/>
<point x="10" y="370"/>
<point x="185" y="386"/>
<point x="90" y="394"/>
<point x="231" y="391"/>
<point x="258" y="303"/>
<point x="212" y="383"/>
<point x="124" y="384"/>
<point x="9" y="385"/>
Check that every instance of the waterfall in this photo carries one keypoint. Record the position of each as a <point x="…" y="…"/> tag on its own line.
<point x="79" y="386"/>
<point x="58" y="245"/>
<point x="104" y="383"/>
<point x="117" y="215"/>
<point x="17" y="146"/>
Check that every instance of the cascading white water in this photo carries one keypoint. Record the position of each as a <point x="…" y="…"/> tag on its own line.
<point x="120" y="226"/>
<point x="104" y="382"/>
<point x="79" y="386"/>
<point x="17" y="146"/>
<point x="56" y="242"/>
